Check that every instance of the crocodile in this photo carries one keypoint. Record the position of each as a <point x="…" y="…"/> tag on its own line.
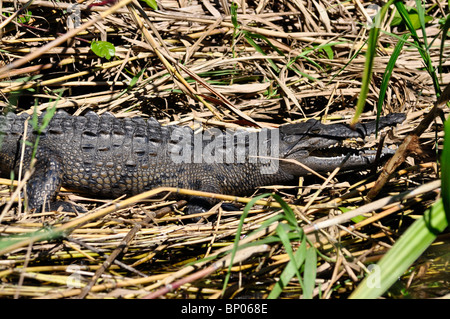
<point x="109" y="157"/>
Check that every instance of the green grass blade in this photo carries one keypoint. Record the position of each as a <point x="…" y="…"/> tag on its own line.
<point x="406" y="19"/>
<point x="326" y="47"/>
<point x="46" y="233"/>
<point x="265" y="39"/>
<point x="285" y="234"/>
<point x="238" y="235"/>
<point x="303" y="74"/>
<point x="367" y="75"/>
<point x="236" y="26"/>
<point x="348" y="63"/>
<point x="250" y="39"/>
<point x="289" y="214"/>
<point x="233" y="9"/>
<point x="371" y="50"/>
<point x="370" y="57"/>
<point x="309" y="275"/>
<point x="404" y="252"/>
<point x="421" y="14"/>
<point x="289" y="271"/>
<point x="388" y="72"/>
<point x="445" y="29"/>
<point x="282" y="232"/>
<point x="423" y="51"/>
<point x="445" y="171"/>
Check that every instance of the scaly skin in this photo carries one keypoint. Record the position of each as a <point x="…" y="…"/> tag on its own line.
<point x="109" y="157"/>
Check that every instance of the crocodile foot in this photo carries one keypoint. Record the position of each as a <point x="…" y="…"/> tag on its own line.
<point x="62" y="206"/>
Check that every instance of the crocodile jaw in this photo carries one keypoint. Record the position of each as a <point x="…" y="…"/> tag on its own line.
<point x="302" y="163"/>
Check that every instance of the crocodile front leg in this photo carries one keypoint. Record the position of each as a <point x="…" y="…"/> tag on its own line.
<point x="45" y="184"/>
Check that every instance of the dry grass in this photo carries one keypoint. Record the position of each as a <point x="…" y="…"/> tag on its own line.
<point x="189" y="64"/>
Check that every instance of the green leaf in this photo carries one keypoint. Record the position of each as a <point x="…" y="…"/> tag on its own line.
<point x="103" y="49"/>
<point x="355" y="219"/>
<point x="414" y="17"/>
<point x="151" y="3"/>
<point x="415" y="20"/>
<point x="358" y="219"/>
<point x="24" y="18"/>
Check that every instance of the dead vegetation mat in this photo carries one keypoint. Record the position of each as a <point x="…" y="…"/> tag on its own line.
<point x="192" y="63"/>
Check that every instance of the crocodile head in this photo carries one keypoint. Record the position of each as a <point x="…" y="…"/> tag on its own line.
<point x="313" y="146"/>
